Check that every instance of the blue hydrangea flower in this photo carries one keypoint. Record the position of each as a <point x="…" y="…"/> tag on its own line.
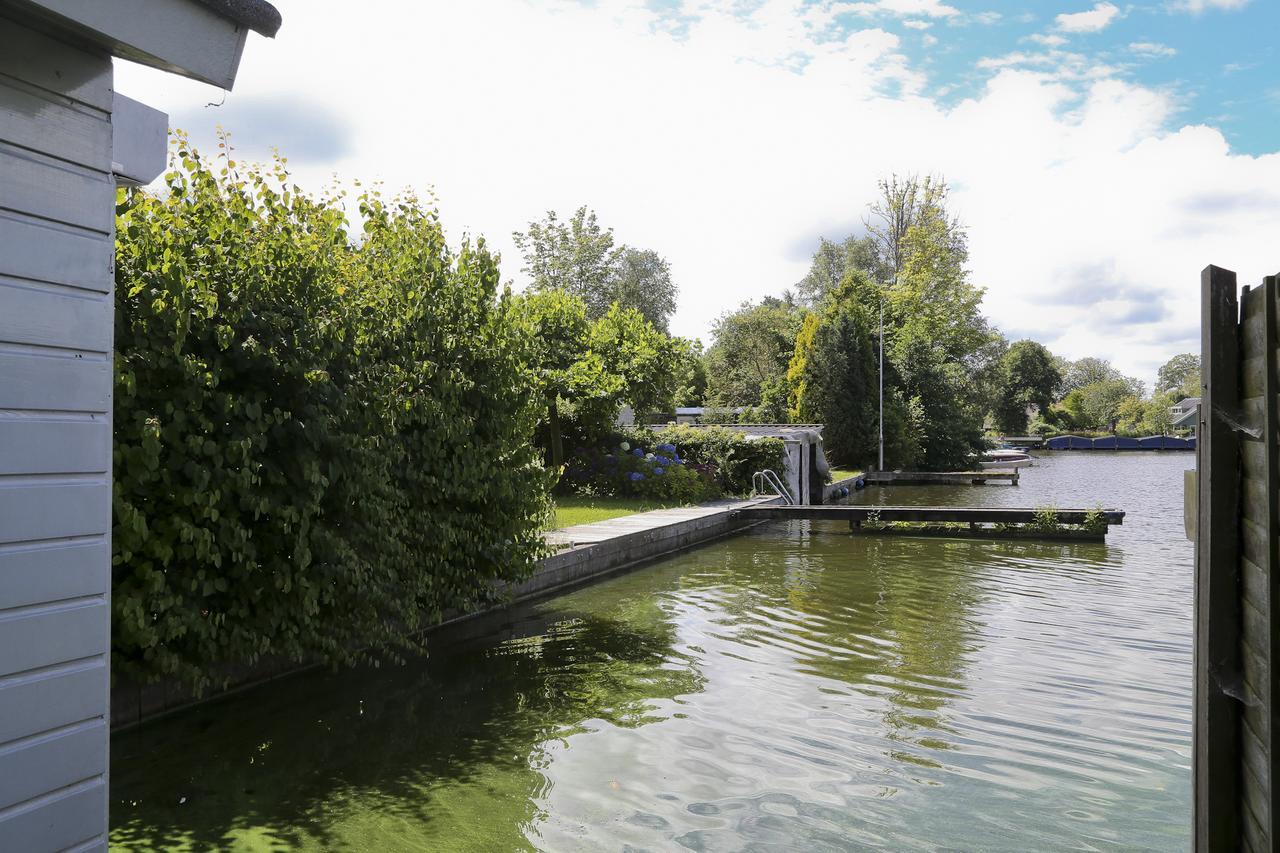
<point x="637" y="452"/>
<point x="636" y="476"/>
<point x="659" y="471"/>
<point x="667" y="448"/>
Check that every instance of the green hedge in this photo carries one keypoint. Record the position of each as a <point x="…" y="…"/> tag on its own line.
<point x="322" y="438"/>
<point x="735" y="455"/>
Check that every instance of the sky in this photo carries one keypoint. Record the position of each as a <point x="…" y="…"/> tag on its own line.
<point x="1100" y="153"/>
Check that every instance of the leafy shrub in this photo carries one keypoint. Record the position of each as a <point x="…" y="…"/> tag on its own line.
<point x="631" y="470"/>
<point x="736" y="456"/>
<point x="321" y="444"/>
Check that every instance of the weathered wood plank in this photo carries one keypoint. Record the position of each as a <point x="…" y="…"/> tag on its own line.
<point x="50" y="510"/>
<point x="1268" y="641"/>
<point x="47" y="251"/>
<point x="47" y="445"/>
<point x="54" y="571"/>
<point x="50" y="699"/>
<point x="1216" y="747"/>
<point x="57" y="634"/>
<point x="71" y="816"/>
<point x="53" y="189"/>
<point x="59" y="381"/>
<point x="45" y="62"/>
<point x="65" y="130"/>
<point x="46" y="764"/>
<point x="43" y="316"/>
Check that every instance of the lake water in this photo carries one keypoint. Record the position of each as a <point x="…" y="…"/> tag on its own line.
<point x="792" y="688"/>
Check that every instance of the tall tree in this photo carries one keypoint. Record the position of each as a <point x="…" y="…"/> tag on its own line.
<point x="832" y="261"/>
<point x="578" y="257"/>
<point x="1029" y="377"/>
<point x="642" y="280"/>
<point x="581" y="258"/>
<point x="1181" y="375"/>
<point x="833" y="381"/>
<point x="748" y="361"/>
<point x="1085" y="371"/>
<point x="905" y="203"/>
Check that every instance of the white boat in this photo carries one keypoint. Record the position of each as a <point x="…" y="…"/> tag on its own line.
<point x="1006" y="459"/>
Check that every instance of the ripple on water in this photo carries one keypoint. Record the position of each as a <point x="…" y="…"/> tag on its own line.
<point x="792" y="688"/>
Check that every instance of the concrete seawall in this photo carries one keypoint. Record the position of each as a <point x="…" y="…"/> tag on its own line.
<point x="589" y="552"/>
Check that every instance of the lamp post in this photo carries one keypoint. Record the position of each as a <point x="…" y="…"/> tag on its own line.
<point x="881" y="381"/>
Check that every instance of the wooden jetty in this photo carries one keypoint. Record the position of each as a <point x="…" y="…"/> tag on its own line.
<point x="981" y="522"/>
<point x="940" y="478"/>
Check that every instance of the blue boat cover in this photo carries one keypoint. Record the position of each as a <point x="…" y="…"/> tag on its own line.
<point x="1107" y="442"/>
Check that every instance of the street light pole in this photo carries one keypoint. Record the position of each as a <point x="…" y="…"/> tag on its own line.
<point x="882" y="381"/>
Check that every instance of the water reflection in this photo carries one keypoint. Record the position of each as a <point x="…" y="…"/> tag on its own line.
<point x="793" y="688"/>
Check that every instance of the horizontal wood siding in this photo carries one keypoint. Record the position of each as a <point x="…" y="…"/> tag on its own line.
<point x="56" y="244"/>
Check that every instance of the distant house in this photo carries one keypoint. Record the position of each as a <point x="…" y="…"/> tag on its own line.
<point x="1185" y="413"/>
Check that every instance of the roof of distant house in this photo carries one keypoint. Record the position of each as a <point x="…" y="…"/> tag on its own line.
<point x="1187" y="403"/>
<point x="258" y="15"/>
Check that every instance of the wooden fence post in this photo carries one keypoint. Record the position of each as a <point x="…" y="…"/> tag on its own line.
<point x="1216" y="735"/>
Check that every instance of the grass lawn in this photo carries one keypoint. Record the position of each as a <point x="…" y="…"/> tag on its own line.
<point x="571" y="510"/>
<point x="838" y="474"/>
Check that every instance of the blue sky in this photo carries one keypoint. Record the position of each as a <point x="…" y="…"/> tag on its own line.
<point x="1101" y="153"/>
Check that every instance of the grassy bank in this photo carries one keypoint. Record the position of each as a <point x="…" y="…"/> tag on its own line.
<point x="571" y="509"/>
<point x="838" y="474"/>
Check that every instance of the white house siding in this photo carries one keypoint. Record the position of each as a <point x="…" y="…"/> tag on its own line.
<point x="56" y="202"/>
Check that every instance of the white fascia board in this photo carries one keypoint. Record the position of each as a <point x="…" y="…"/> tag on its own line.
<point x="179" y="36"/>
<point x="139" y="141"/>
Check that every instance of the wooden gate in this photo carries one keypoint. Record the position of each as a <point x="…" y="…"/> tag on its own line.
<point x="1237" y="550"/>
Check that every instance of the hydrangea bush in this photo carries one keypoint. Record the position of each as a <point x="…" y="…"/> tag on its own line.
<point x="633" y="470"/>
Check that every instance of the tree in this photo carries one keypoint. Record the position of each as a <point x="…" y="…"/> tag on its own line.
<point x="580" y="258"/>
<point x="585" y="371"/>
<point x="641" y="356"/>
<point x="1180" y="375"/>
<point x="752" y="350"/>
<point x="642" y="280"/>
<point x="691" y="372"/>
<point x="1086" y="371"/>
<point x="833" y="379"/>
<point x="577" y="257"/>
<point x="1029" y="377"/>
<point x="905" y="203"/>
<point x="832" y="261"/>
<point x="559" y="357"/>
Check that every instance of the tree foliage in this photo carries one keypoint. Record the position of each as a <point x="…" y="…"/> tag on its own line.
<point x="1029" y="377"/>
<point x="747" y="364"/>
<point x="587" y="370"/>
<point x="321" y="442"/>
<point x="1180" y="375"/>
<point x="580" y="257"/>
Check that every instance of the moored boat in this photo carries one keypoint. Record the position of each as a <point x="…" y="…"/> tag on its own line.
<point x="1006" y="459"/>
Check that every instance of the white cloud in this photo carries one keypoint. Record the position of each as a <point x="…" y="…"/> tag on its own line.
<point x="916" y="24"/>
<point x="988" y="18"/>
<point x="1198" y="6"/>
<point x="928" y="8"/>
<point x="1152" y="49"/>
<point x="731" y="145"/>
<point x="1049" y="40"/>
<point x="1095" y="20"/>
<point x="928" y="40"/>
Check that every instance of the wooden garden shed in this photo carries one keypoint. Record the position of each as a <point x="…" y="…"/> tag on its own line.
<point x="67" y="139"/>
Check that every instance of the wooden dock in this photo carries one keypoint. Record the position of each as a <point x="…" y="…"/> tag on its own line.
<point x="984" y="522"/>
<point x="940" y="478"/>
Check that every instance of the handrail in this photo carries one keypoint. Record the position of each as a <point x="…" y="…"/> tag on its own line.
<point x="768" y="477"/>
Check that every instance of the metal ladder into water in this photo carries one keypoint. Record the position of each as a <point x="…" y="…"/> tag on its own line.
<point x="769" y="478"/>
